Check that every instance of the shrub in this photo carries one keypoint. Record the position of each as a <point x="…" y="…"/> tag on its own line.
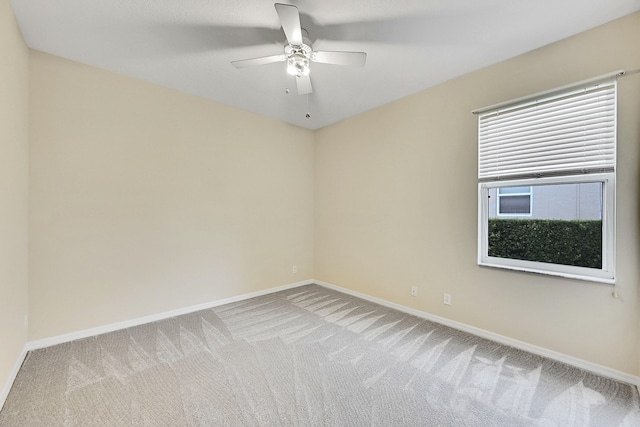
<point x="575" y="242"/>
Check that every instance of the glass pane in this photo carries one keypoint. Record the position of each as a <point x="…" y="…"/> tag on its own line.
<point x="565" y="225"/>
<point x="515" y="205"/>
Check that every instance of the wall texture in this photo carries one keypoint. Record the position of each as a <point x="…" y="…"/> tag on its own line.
<point x="14" y="162"/>
<point x="144" y="199"/>
<point x="396" y="205"/>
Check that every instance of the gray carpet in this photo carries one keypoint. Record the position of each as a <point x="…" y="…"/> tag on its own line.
<point x="308" y="356"/>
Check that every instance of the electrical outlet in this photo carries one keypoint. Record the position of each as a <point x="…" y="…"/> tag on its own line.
<point x="414" y="291"/>
<point x="294" y="269"/>
<point x="447" y="299"/>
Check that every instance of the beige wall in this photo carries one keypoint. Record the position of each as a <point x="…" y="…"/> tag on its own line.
<point x="396" y="205"/>
<point x="145" y="200"/>
<point x="14" y="149"/>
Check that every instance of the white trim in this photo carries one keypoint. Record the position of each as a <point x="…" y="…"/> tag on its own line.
<point x="86" y="333"/>
<point x="12" y="376"/>
<point x="540" y="351"/>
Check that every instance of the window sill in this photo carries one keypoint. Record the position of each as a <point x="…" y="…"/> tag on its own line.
<point x="604" y="280"/>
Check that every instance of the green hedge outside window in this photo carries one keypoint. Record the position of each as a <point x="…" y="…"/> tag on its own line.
<point x="575" y="242"/>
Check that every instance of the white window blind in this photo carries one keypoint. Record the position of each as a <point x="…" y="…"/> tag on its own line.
<point x="566" y="134"/>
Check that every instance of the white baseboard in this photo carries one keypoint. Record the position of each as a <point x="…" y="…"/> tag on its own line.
<point x="12" y="376"/>
<point x="540" y="351"/>
<point x="59" y="339"/>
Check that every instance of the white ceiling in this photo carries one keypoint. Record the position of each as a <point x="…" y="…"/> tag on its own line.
<point x="188" y="45"/>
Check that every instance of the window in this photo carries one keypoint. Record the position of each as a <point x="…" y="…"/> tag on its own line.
<point x="546" y="182"/>
<point x="514" y="201"/>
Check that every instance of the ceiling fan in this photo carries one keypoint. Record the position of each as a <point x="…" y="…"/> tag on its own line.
<point x="298" y="52"/>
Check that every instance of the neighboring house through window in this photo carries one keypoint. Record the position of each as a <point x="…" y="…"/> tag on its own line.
<point x="560" y="201"/>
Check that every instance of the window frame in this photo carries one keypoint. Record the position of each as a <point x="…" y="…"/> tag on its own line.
<point x="604" y="275"/>
<point x="516" y="215"/>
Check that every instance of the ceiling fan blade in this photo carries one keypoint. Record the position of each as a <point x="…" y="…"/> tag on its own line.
<point x="243" y="63"/>
<point x="353" y="59"/>
<point x="304" y="84"/>
<point x="290" y="20"/>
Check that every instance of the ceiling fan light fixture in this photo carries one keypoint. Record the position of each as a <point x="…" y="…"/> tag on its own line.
<point x="298" y="65"/>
